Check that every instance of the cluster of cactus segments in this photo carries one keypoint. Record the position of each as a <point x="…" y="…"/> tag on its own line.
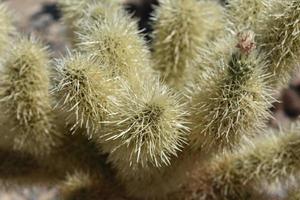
<point x="183" y="116"/>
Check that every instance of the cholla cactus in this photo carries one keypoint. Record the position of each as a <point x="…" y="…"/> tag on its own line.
<point x="83" y="88"/>
<point x="147" y="127"/>
<point x="180" y="29"/>
<point x="230" y="175"/>
<point x="73" y="11"/>
<point x="82" y="10"/>
<point x="115" y="43"/>
<point x="7" y="29"/>
<point x="25" y="98"/>
<point x="234" y="100"/>
<point x="279" y="38"/>
<point x="244" y="14"/>
<point x="184" y="117"/>
<point x="86" y="186"/>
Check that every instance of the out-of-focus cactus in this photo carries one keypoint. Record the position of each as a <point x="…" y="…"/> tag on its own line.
<point x="294" y="194"/>
<point x="115" y="43"/>
<point x="244" y="14"/>
<point x="86" y="186"/>
<point x="278" y="36"/>
<point x="120" y="118"/>
<point x="72" y="12"/>
<point x="7" y="29"/>
<point x="180" y="29"/>
<point x="75" y="12"/>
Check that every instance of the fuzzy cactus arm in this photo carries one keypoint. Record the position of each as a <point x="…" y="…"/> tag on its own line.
<point x="82" y="89"/>
<point x="216" y="14"/>
<point x="180" y="28"/>
<point x="86" y="186"/>
<point x="116" y="43"/>
<point x="144" y="132"/>
<point x="72" y="11"/>
<point x="271" y="157"/>
<point x="244" y="14"/>
<point x="145" y="127"/>
<point x="6" y="27"/>
<point x="25" y="98"/>
<point x="95" y="12"/>
<point x="234" y="101"/>
<point x="79" y="186"/>
<point x="279" y="38"/>
<point x="79" y="11"/>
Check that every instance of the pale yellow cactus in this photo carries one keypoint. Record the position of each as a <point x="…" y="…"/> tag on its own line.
<point x="105" y="125"/>
<point x="25" y="97"/>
